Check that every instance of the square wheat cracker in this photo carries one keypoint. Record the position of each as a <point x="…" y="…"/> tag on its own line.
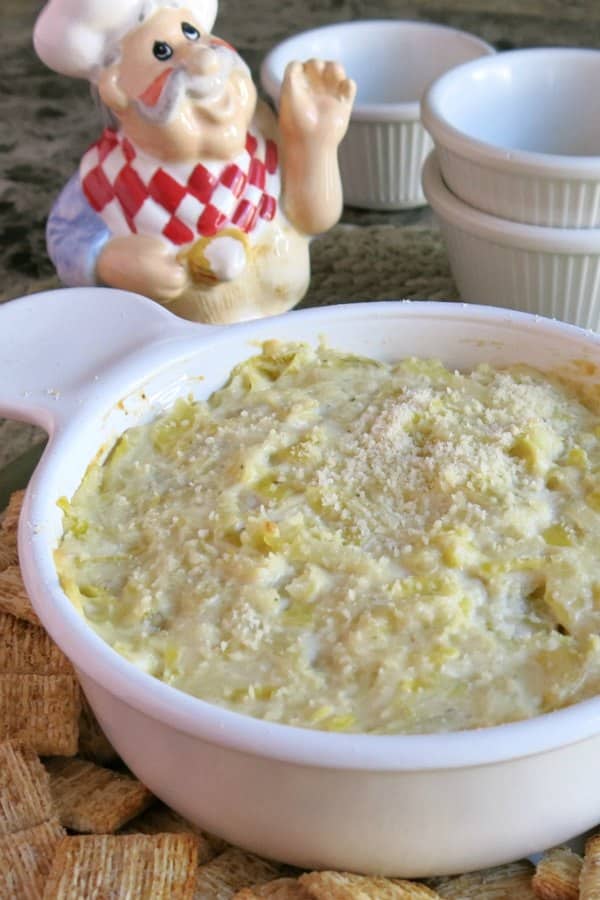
<point x="25" y="798"/>
<point x="9" y="555"/>
<point x="13" y="596"/>
<point x="160" y="819"/>
<point x="557" y="875"/>
<point x="347" y="886"/>
<point x="89" y="798"/>
<point x="10" y="517"/>
<point x="96" y="867"/>
<point x="509" y="882"/>
<point x="28" y="649"/>
<point x="42" y="711"/>
<point x="280" y="889"/>
<point x="26" y="858"/>
<point x="93" y="743"/>
<point x="589" y="880"/>
<point x="232" y="870"/>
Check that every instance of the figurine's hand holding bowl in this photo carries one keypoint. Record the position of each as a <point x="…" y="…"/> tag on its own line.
<point x="316" y="102"/>
<point x="143" y="264"/>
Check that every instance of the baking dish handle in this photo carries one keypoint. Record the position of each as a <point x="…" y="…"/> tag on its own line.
<point x="55" y="344"/>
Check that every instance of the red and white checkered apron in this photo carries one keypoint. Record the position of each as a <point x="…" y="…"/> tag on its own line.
<point x="135" y="193"/>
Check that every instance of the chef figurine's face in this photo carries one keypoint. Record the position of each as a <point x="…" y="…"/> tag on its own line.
<point x="179" y="93"/>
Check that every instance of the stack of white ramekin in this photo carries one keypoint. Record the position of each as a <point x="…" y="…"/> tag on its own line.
<point x="515" y="179"/>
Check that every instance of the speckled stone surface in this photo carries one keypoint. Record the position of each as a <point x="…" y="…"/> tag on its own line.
<point x="48" y="121"/>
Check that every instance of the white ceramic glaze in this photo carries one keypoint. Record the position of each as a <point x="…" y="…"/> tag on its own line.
<point x="392" y="62"/>
<point x="547" y="271"/>
<point x="518" y="135"/>
<point x="86" y="364"/>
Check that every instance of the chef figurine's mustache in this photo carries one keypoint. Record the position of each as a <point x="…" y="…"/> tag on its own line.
<point x="160" y="100"/>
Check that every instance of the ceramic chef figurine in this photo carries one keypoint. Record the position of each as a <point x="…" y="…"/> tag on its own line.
<point x="194" y="195"/>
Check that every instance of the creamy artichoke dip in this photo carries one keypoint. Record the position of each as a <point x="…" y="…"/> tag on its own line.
<point x="339" y="544"/>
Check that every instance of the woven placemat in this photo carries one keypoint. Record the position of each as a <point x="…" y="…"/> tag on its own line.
<point x="350" y="263"/>
<point x="380" y="262"/>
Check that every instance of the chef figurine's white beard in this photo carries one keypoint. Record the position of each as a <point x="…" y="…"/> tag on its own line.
<point x="202" y="89"/>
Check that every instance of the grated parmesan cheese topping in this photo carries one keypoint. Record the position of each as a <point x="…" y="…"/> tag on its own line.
<point x="339" y="544"/>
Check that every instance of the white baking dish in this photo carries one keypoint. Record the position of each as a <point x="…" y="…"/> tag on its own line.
<point x="88" y="363"/>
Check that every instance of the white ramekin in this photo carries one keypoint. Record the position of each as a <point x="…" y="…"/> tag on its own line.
<point x="518" y="135"/>
<point x="546" y="271"/>
<point x="392" y="62"/>
<point x="87" y="364"/>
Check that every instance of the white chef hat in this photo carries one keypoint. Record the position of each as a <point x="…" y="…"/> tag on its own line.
<point x="76" y="37"/>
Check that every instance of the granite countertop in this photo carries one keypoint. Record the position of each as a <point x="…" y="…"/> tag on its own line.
<point x="50" y="120"/>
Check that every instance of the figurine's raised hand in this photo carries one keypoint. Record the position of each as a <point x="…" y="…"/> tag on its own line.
<point x="143" y="264"/>
<point x="316" y="102"/>
<point x="314" y="111"/>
